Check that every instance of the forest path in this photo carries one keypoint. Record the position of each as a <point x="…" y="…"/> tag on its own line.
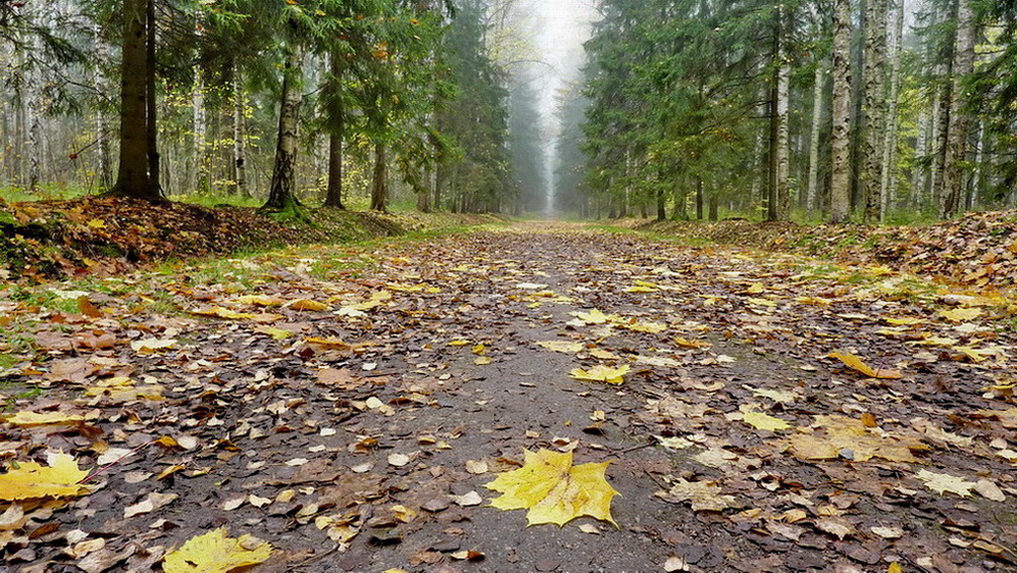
<point x="352" y="411"/>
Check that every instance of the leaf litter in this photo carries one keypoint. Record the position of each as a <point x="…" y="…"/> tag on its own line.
<point x="359" y="440"/>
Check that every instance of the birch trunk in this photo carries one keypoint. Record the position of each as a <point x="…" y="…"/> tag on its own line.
<point x="239" y="136"/>
<point x="780" y="193"/>
<point x="875" y="104"/>
<point x="840" y="137"/>
<point x="817" y="120"/>
<point x="888" y="183"/>
<point x="282" y="193"/>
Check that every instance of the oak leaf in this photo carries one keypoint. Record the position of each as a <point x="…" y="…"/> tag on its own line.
<point x="31" y="480"/>
<point x="214" y="552"/>
<point x="555" y="491"/>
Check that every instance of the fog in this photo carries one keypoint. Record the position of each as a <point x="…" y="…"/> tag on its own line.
<point x="555" y="31"/>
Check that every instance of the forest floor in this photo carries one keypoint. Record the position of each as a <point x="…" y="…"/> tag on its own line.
<point x="348" y="405"/>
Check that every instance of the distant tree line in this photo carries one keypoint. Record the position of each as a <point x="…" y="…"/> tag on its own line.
<point x="282" y="100"/>
<point x="830" y="109"/>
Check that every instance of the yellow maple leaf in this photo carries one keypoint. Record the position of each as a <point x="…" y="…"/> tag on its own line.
<point x="594" y="317"/>
<point x="276" y="333"/>
<point x="856" y="363"/>
<point x="259" y="300"/>
<point x="561" y="346"/>
<point x="647" y="327"/>
<point x="32" y="480"/>
<point x="895" y="568"/>
<point x="555" y="491"/>
<point x="29" y="419"/>
<point x="961" y="314"/>
<point x="601" y="373"/>
<point x="942" y="483"/>
<point x="213" y="552"/>
<point x="761" y="421"/>
<point x="307" y="304"/>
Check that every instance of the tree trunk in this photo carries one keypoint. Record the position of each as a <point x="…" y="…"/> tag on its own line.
<point x="379" y="182"/>
<point x="875" y="100"/>
<point x="779" y="208"/>
<point x="239" y="136"/>
<point x="699" y="198"/>
<point x="817" y="123"/>
<point x="336" y="119"/>
<point x="888" y="187"/>
<point x="151" y="127"/>
<point x="714" y="207"/>
<point x="133" y="175"/>
<point x="199" y="167"/>
<point x="282" y="196"/>
<point x="840" y="137"/>
<point x="661" y="204"/>
<point x="957" y="130"/>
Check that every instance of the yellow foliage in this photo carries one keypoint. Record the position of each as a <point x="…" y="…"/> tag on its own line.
<point x="601" y="373"/>
<point x="856" y="363"/>
<point x="213" y="552"/>
<point x="307" y="304"/>
<point x="29" y="419"/>
<point x="555" y="491"/>
<point x="841" y="434"/>
<point x="220" y="312"/>
<point x="31" y="480"/>
<point x="761" y="421"/>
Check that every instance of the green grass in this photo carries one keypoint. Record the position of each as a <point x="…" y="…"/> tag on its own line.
<point x="45" y="192"/>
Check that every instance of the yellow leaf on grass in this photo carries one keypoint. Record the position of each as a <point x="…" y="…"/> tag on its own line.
<point x="29" y="419"/>
<point x="761" y="421"/>
<point x="856" y="363"/>
<point x="961" y="314"/>
<point x="561" y="346"/>
<point x="32" y="480"/>
<point x="555" y="491"/>
<point x="307" y="304"/>
<point x="601" y="373"/>
<point x="213" y="552"/>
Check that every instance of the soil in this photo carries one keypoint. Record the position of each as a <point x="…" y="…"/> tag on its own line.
<point x="302" y="430"/>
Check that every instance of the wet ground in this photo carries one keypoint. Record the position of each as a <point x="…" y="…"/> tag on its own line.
<point x="346" y="442"/>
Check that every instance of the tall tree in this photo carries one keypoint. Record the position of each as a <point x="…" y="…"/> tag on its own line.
<point x="840" y="138"/>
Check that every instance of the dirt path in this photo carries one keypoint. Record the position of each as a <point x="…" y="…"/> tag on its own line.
<point x="357" y="423"/>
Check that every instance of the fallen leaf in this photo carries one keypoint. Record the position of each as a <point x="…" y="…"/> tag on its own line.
<point x="30" y="419"/>
<point x="761" y="421"/>
<point x="32" y="480"/>
<point x="703" y="495"/>
<point x="555" y="491"/>
<point x="561" y="346"/>
<point x="601" y="373"/>
<point x="856" y="363"/>
<point x="214" y="552"/>
<point x="942" y="483"/>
